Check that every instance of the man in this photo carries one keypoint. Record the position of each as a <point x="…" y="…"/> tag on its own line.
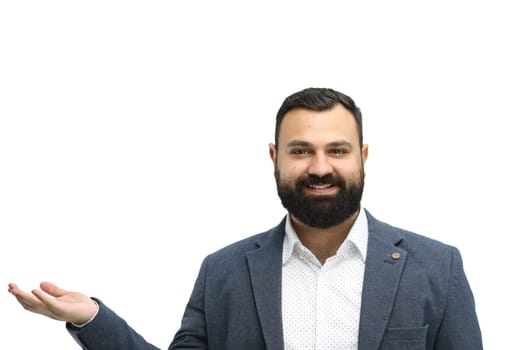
<point x="329" y="276"/>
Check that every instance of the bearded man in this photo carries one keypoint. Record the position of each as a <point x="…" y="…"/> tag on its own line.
<point x="328" y="276"/>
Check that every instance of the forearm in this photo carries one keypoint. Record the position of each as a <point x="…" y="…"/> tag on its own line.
<point x="108" y="331"/>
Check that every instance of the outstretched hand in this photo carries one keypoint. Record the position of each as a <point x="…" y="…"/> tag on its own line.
<point x="56" y="303"/>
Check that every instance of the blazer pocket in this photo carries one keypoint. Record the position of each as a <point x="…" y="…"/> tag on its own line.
<point x="413" y="338"/>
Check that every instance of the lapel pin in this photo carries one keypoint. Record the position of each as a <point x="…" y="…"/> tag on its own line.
<point x="395" y="255"/>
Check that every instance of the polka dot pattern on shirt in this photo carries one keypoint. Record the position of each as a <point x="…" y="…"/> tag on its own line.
<point x="321" y="303"/>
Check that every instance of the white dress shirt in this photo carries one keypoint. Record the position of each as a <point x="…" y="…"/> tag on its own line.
<point x="321" y="304"/>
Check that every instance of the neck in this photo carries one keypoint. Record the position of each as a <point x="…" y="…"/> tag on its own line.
<point x="323" y="242"/>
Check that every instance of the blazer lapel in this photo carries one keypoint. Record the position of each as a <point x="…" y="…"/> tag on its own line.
<point x="384" y="265"/>
<point x="265" y="267"/>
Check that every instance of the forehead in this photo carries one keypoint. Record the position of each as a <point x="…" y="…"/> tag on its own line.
<point x="337" y="123"/>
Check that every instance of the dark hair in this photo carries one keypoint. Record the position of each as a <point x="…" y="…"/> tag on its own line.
<point x="318" y="99"/>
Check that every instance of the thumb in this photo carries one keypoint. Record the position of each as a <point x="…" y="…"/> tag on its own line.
<point x="52" y="289"/>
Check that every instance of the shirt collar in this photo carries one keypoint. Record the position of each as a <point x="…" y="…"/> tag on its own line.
<point x="358" y="237"/>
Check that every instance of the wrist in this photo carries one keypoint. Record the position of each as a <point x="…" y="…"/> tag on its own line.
<point x="80" y="324"/>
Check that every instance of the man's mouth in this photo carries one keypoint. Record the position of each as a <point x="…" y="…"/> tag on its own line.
<point x="321" y="189"/>
<point x="320" y="186"/>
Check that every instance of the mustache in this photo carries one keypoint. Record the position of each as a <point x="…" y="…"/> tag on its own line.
<point x="312" y="179"/>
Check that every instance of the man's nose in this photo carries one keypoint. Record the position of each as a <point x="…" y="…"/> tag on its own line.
<point x="320" y="165"/>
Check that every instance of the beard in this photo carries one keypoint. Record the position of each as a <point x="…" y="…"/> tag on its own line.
<point x="316" y="210"/>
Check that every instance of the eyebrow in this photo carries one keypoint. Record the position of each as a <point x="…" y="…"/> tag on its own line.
<point x="341" y="143"/>
<point x="298" y="143"/>
<point x="301" y="143"/>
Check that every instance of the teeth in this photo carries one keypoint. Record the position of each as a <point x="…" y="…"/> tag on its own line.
<point x="319" y="187"/>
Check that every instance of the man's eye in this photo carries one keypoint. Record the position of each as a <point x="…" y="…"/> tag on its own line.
<point x="338" y="151"/>
<point x="299" y="151"/>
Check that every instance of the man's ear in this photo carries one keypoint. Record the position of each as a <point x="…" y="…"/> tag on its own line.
<point x="273" y="153"/>
<point x="364" y="152"/>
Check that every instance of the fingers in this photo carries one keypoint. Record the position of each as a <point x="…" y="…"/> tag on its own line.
<point x="41" y="296"/>
<point x="52" y="289"/>
<point x="36" y="295"/>
<point x="28" y="301"/>
<point x="36" y="301"/>
<point x="47" y="306"/>
<point x="12" y="287"/>
<point x="18" y="293"/>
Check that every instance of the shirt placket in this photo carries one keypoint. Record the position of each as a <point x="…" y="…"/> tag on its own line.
<point x="322" y="304"/>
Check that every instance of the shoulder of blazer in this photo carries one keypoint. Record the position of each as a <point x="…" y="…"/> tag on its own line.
<point x="272" y="239"/>
<point x="412" y="242"/>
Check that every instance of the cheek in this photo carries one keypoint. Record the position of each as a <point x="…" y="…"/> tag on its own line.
<point x="290" y="167"/>
<point x="294" y="170"/>
<point x="349" y="171"/>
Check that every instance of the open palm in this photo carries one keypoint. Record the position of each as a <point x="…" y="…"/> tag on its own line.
<point x="56" y="303"/>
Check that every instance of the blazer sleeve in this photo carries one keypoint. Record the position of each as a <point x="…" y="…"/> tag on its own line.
<point x="459" y="329"/>
<point x="108" y="331"/>
<point x="192" y="333"/>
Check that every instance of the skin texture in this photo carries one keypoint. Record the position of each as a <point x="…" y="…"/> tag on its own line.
<point x="319" y="143"/>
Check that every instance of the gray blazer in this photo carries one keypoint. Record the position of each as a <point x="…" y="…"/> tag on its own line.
<point x="415" y="297"/>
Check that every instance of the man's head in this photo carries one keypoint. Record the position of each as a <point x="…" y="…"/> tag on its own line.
<point x="318" y="99"/>
<point x="318" y="157"/>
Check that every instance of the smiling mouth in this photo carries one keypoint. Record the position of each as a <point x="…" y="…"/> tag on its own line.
<point x="320" y="187"/>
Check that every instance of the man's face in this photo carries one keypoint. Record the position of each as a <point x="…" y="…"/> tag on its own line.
<point x="319" y="166"/>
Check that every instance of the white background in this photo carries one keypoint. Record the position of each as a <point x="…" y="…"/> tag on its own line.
<point x="133" y="141"/>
